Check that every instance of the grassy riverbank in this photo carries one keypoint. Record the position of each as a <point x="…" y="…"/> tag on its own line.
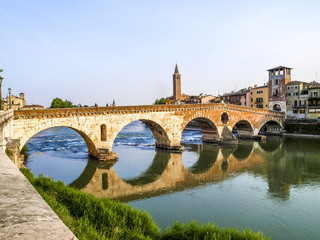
<point x="92" y="218"/>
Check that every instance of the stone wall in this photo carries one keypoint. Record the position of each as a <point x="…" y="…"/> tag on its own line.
<point x="24" y="214"/>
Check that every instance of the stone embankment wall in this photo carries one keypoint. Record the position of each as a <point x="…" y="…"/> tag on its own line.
<point x="23" y="213"/>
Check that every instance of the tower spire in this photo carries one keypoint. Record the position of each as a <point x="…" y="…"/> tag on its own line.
<point x="176" y="70"/>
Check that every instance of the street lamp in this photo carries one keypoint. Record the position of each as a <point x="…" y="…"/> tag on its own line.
<point x="1" y="78"/>
<point x="9" y="89"/>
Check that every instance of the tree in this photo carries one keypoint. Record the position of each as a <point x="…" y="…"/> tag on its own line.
<point x="59" y="103"/>
<point x="160" y="101"/>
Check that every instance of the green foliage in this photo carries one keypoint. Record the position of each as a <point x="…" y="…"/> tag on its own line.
<point x="1" y="78"/>
<point x="24" y="151"/>
<point x="92" y="218"/>
<point x="161" y="101"/>
<point x="303" y="128"/>
<point x="59" y="103"/>
<point x="9" y="152"/>
<point x="180" y="231"/>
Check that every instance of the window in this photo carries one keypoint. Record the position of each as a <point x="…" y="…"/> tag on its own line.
<point x="295" y="111"/>
<point x="302" y="111"/>
<point x="288" y="88"/>
<point x="295" y="87"/>
<point x="295" y="103"/>
<point x="288" y="103"/>
<point x="289" y="94"/>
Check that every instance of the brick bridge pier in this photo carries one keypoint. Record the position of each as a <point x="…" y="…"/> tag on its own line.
<point x="99" y="126"/>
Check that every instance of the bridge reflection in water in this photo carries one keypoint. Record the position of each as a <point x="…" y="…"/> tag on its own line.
<point x="167" y="173"/>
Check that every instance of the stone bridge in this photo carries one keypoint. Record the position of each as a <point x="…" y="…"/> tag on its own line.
<point x="99" y="126"/>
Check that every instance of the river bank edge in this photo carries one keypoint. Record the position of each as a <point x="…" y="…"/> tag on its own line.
<point x="301" y="135"/>
<point x="110" y="219"/>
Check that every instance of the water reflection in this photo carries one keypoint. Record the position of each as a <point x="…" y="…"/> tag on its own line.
<point x="275" y="160"/>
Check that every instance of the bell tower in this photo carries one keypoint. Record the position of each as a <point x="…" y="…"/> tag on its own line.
<point x="177" y="84"/>
<point x="278" y="78"/>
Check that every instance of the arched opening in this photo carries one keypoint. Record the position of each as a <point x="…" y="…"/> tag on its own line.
<point x="271" y="128"/>
<point x="276" y="107"/>
<point x="243" y="129"/>
<point x="59" y="152"/>
<point x="142" y="133"/>
<point x="135" y="145"/>
<point x="200" y="128"/>
<point x="103" y="132"/>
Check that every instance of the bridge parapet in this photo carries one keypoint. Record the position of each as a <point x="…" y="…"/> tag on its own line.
<point x="64" y="112"/>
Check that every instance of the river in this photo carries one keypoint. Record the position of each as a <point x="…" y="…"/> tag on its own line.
<point x="271" y="186"/>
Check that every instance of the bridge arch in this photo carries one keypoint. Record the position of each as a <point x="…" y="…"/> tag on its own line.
<point x="210" y="132"/>
<point x="88" y="136"/>
<point x="269" y="126"/>
<point x="162" y="134"/>
<point x="243" y="129"/>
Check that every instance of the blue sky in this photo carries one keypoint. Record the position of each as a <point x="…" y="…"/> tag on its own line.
<point x="95" y="51"/>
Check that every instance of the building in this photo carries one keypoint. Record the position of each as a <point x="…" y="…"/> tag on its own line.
<point x="297" y="99"/>
<point x="204" y="99"/>
<point x="33" y="107"/>
<point x="278" y="78"/>
<point x="14" y="102"/>
<point x="314" y="101"/>
<point x="260" y="97"/>
<point x="241" y="97"/>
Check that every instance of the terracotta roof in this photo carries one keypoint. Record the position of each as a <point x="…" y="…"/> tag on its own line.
<point x="295" y="82"/>
<point x="264" y="86"/>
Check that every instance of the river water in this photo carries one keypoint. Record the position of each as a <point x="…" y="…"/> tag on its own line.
<point x="271" y="186"/>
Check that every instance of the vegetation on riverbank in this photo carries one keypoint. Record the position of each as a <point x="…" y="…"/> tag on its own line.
<point x="303" y="128"/>
<point x="92" y="218"/>
<point x="25" y="152"/>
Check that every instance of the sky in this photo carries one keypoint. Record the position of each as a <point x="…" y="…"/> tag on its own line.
<point x="96" y="51"/>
